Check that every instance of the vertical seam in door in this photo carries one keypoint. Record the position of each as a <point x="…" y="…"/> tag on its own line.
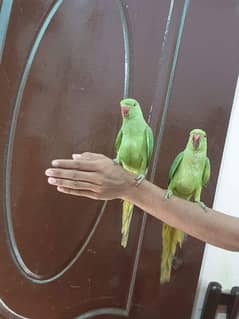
<point x="169" y="90"/>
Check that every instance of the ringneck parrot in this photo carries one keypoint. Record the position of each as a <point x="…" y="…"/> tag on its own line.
<point x="188" y="174"/>
<point x="134" y="147"/>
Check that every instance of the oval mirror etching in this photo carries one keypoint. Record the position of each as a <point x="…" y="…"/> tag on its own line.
<point x="9" y="312"/>
<point x="5" y="13"/>
<point x="13" y="246"/>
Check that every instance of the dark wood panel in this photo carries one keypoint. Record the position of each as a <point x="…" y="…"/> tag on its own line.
<point x="79" y="73"/>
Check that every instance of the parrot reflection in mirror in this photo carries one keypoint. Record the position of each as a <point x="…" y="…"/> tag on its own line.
<point x="134" y="147"/>
<point x="189" y="173"/>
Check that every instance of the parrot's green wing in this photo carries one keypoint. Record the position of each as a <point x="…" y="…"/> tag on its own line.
<point x="118" y="140"/>
<point x="149" y="143"/>
<point x="175" y="165"/>
<point x="206" y="172"/>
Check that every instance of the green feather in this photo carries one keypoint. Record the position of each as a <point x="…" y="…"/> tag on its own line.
<point x="150" y="143"/>
<point x="207" y="172"/>
<point x="175" y="166"/>
<point x="118" y="140"/>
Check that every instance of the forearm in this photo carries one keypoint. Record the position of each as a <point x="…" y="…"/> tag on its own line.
<point x="213" y="227"/>
<point x="95" y="176"/>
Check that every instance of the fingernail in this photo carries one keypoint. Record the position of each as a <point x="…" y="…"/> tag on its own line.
<point x="51" y="180"/>
<point x="54" y="163"/>
<point x="48" y="172"/>
<point x="75" y="156"/>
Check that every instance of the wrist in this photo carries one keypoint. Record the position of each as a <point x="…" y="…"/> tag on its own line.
<point x="135" y="193"/>
<point x="146" y="195"/>
<point x="129" y="188"/>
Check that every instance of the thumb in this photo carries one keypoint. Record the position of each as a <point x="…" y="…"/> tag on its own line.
<point x="88" y="156"/>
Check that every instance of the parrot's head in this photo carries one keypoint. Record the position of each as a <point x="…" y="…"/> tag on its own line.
<point x="130" y="108"/>
<point x="198" y="140"/>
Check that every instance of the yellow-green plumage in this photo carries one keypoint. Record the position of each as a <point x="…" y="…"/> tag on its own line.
<point x="188" y="174"/>
<point x="126" y="220"/>
<point x="134" y="146"/>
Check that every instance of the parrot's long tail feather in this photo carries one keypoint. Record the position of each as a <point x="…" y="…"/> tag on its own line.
<point x="170" y="238"/>
<point x="126" y="220"/>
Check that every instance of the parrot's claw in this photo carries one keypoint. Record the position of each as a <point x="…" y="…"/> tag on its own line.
<point x="201" y="204"/>
<point x="139" y="179"/>
<point x="116" y="161"/>
<point x="177" y="263"/>
<point x="168" y="194"/>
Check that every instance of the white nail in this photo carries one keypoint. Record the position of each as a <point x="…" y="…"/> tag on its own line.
<point x="75" y="156"/>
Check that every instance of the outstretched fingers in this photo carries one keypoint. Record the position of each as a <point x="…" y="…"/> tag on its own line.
<point x="70" y="191"/>
<point x="79" y="164"/>
<point x="77" y="185"/>
<point x="73" y="175"/>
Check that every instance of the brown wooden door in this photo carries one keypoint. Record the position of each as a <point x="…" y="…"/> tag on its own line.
<point x="64" y="68"/>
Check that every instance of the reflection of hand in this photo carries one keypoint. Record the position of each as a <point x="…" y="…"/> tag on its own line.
<point x="90" y="175"/>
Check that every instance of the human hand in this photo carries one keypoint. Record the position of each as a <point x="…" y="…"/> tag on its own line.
<point x="90" y="175"/>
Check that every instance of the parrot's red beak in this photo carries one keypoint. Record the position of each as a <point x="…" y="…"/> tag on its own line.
<point x="196" y="140"/>
<point x="124" y="110"/>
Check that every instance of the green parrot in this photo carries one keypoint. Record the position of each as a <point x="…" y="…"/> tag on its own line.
<point x="134" y="147"/>
<point x="188" y="174"/>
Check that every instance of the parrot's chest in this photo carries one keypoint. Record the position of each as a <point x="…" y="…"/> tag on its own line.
<point x="189" y="177"/>
<point x="132" y="151"/>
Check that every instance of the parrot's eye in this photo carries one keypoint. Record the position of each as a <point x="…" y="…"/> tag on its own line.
<point x="205" y="135"/>
<point x="135" y="104"/>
